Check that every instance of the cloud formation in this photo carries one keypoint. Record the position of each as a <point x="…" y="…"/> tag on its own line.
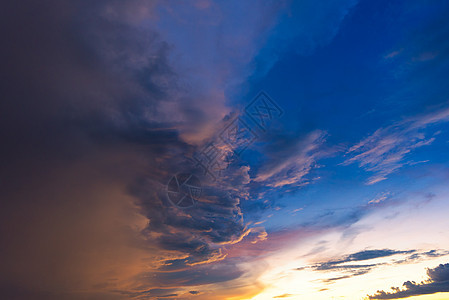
<point x="291" y="159"/>
<point x="94" y="130"/>
<point x="438" y="282"/>
<point x="362" y="262"/>
<point x="349" y="265"/>
<point x="386" y="150"/>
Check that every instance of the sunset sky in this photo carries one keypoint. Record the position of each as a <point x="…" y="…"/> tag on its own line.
<point x="239" y="150"/>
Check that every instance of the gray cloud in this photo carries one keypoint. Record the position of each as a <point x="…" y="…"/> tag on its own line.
<point x="358" y="256"/>
<point x="438" y="282"/>
<point x="354" y="273"/>
<point x="88" y="146"/>
<point x="98" y="118"/>
<point x="351" y="270"/>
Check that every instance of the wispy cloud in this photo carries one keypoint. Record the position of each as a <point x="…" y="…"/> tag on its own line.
<point x="360" y="256"/>
<point x="362" y="262"/>
<point x="284" y="296"/>
<point x="291" y="161"/>
<point x="387" y="149"/>
<point x="350" y="266"/>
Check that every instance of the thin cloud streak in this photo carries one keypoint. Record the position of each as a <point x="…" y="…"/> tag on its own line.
<point x="290" y="163"/>
<point x="386" y="150"/>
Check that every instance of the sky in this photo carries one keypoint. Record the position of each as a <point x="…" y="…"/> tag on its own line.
<point x="229" y="150"/>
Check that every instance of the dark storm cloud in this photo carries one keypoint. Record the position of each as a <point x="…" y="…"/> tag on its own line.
<point x="83" y="128"/>
<point x="198" y="231"/>
<point x="19" y="293"/>
<point x="69" y="131"/>
<point x="58" y="90"/>
<point x="438" y="282"/>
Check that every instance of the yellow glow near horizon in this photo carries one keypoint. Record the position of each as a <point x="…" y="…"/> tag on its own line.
<point x="438" y="296"/>
<point x="309" y="284"/>
<point x="414" y="228"/>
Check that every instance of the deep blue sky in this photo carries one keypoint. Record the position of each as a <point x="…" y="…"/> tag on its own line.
<point x="370" y="75"/>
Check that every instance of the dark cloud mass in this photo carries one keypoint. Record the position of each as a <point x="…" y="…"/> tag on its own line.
<point x="91" y="114"/>
<point x="438" y="282"/>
